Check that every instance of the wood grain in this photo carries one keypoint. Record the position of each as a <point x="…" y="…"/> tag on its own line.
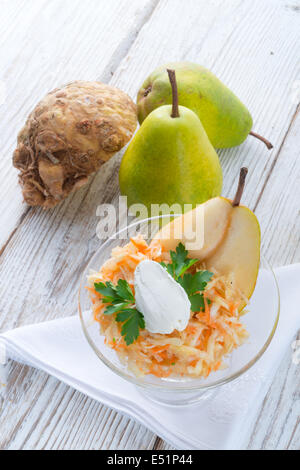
<point x="62" y="418"/>
<point x="278" y="207"/>
<point x="251" y="46"/>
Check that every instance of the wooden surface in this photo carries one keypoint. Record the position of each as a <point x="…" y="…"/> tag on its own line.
<point x="253" y="46"/>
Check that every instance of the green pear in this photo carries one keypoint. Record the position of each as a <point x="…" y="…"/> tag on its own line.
<point x="170" y="160"/>
<point x="225" y="118"/>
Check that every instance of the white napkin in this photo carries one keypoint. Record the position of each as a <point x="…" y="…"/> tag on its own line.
<point x="222" y="422"/>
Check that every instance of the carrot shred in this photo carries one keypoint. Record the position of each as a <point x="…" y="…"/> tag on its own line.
<point x="194" y="363"/>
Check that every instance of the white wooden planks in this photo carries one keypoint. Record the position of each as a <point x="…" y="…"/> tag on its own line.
<point x="63" y="418"/>
<point x="278" y="208"/>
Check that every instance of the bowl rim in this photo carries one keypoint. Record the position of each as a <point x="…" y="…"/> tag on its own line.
<point x="168" y="386"/>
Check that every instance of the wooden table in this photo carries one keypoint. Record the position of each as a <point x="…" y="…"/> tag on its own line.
<point x="253" y="46"/>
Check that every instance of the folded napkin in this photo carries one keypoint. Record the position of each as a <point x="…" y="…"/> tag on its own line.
<point x="221" y="422"/>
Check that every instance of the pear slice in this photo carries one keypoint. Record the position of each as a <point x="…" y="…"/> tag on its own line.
<point x="200" y="230"/>
<point x="240" y="251"/>
<point x="231" y="238"/>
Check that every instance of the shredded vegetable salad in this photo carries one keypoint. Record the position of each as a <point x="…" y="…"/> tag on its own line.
<point x="200" y="349"/>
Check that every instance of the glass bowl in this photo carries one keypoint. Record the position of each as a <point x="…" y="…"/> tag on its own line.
<point x="260" y="320"/>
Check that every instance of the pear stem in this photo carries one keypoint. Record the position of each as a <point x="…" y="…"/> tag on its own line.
<point x="172" y="78"/>
<point x="241" y="185"/>
<point x="265" y="141"/>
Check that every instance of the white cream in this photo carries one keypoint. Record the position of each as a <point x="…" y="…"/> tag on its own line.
<point x="163" y="302"/>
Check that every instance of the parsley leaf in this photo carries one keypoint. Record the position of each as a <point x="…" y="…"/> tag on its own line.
<point x="115" y="307"/>
<point x="120" y="297"/>
<point x="124" y="291"/>
<point x="197" y="302"/>
<point x="115" y="294"/>
<point x="180" y="262"/>
<point x="107" y="289"/>
<point x="193" y="284"/>
<point x="168" y="267"/>
<point x="133" y="321"/>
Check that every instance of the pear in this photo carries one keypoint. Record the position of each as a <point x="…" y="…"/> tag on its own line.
<point x="170" y="160"/>
<point x="225" y="118"/>
<point x="231" y="242"/>
<point x="201" y="230"/>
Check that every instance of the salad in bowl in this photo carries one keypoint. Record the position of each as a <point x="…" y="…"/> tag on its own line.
<point x="166" y="329"/>
<point x="177" y="304"/>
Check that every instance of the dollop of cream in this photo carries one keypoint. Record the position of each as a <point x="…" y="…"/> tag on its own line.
<point x="163" y="302"/>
